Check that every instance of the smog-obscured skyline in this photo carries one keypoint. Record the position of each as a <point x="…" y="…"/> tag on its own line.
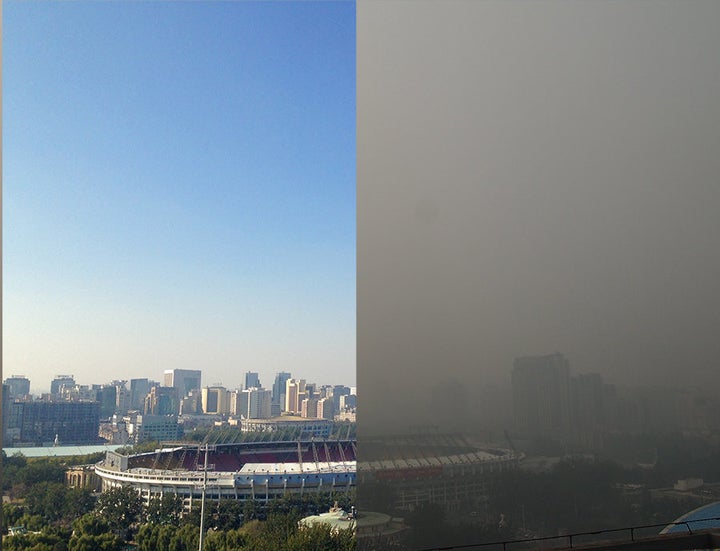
<point x="537" y="178"/>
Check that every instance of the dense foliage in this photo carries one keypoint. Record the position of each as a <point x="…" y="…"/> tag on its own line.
<point x="576" y="495"/>
<point x="58" y="518"/>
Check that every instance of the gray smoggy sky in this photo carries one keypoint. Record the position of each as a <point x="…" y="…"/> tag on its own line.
<point x="537" y="177"/>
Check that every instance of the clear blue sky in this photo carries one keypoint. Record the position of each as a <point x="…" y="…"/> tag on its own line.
<point x="179" y="190"/>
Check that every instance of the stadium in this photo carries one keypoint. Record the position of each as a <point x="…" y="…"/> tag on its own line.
<point x="419" y="468"/>
<point x="241" y="471"/>
<point x="427" y="467"/>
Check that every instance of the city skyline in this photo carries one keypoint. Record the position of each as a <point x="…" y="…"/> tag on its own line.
<point x="179" y="190"/>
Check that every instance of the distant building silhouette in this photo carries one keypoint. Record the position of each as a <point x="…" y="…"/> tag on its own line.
<point x="183" y="380"/>
<point x="252" y="380"/>
<point x="139" y="389"/>
<point x="259" y="403"/>
<point x="541" y="395"/>
<point x="294" y="395"/>
<point x="61" y="381"/>
<point x="18" y="385"/>
<point x="162" y="400"/>
<point x="278" y="391"/>
<point x="43" y="422"/>
<point x="215" y="400"/>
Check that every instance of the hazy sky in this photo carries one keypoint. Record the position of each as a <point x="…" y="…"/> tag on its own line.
<point x="537" y="177"/>
<point x="179" y="190"/>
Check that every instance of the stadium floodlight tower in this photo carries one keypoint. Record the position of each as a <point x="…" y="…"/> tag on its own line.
<point x="205" y="468"/>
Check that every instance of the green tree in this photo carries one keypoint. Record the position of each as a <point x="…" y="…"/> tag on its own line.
<point x="43" y="541"/>
<point x="165" y="509"/>
<point x="322" y="538"/>
<point x="42" y="470"/>
<point x="102" y="542"/>
<point x="47" y="499"/>
<point x="185" y="538"/>
<point x="91" y="524"/>
<point x="78" y="501"/>
<point x="12" y="513"/>
<point x="227" y="514"/>
<point x="121" y="507"/>
<point x="251" y="510"/>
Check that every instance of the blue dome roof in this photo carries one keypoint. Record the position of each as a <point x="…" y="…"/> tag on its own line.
<point x="710" y="511"/>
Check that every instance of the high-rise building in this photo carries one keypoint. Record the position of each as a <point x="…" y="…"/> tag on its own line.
<point x="139" y="389"/>
<point x="43" y="423"/>
<point x="259" y="403"/>
<point x="239" y="403"/>
<point x="192" y="403"/>
<point x="294" y="394"/>
<point x="18" y="385"/>
<point x="541" y="395"/>
<point x="122" y="398"/>
<point x="325" y="409"/>
<point x="252" y="380"/>
<point x="156" y="427"/>
<point x="61" y="381"/>
<point x="310" y="390"/>
<point x="183" y="380"/>
<point x="216" y="400"/>
<point x="162" y="400"/>
<point x="6" y="407"/>
<point x="337" y="391"/>
<point x="107" y="396"/>
<point x="348" y="401"/>
<point x="309" y="408"/>
<point x="278" y="390"/>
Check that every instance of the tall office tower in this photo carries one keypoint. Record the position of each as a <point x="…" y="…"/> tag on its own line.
<point x="309" y="408"/>
<point x="234" y="402"/>
<point x="239" y="403"/>
<point x="291" y="395"/>
<point x="259" y="403"/>
<point x="122" y="399"/>
<point x="18" y="385"/>
<point x="156" y="427"/>
<point x="294" y="394"/>
<point x="325" y="409"/>
<point x="139" y="389"/>
<point x="107" y="396"/>
<point x="40" y="423"/>
<point x="192" y="403"/>
<point x="348" y="401"/>
<point x="61" y="381"/>
<point x="278" y="390"/>
<point x="310" y="390"/>
<point x="162" y="400"/>
<point x="541" y="395"/>
<point x="216" y="400"/>
<point x="252" y="380"/>
<point x="6" y="406"/>
<point x="183" y="380"/>
<point x="339" y="390"/>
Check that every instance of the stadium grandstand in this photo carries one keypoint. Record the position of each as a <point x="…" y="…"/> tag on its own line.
<point x="432" y="467"/>
<point x="240" y="466"/>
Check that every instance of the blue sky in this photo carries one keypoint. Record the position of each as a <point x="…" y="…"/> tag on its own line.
<point x="179" y="190"/>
